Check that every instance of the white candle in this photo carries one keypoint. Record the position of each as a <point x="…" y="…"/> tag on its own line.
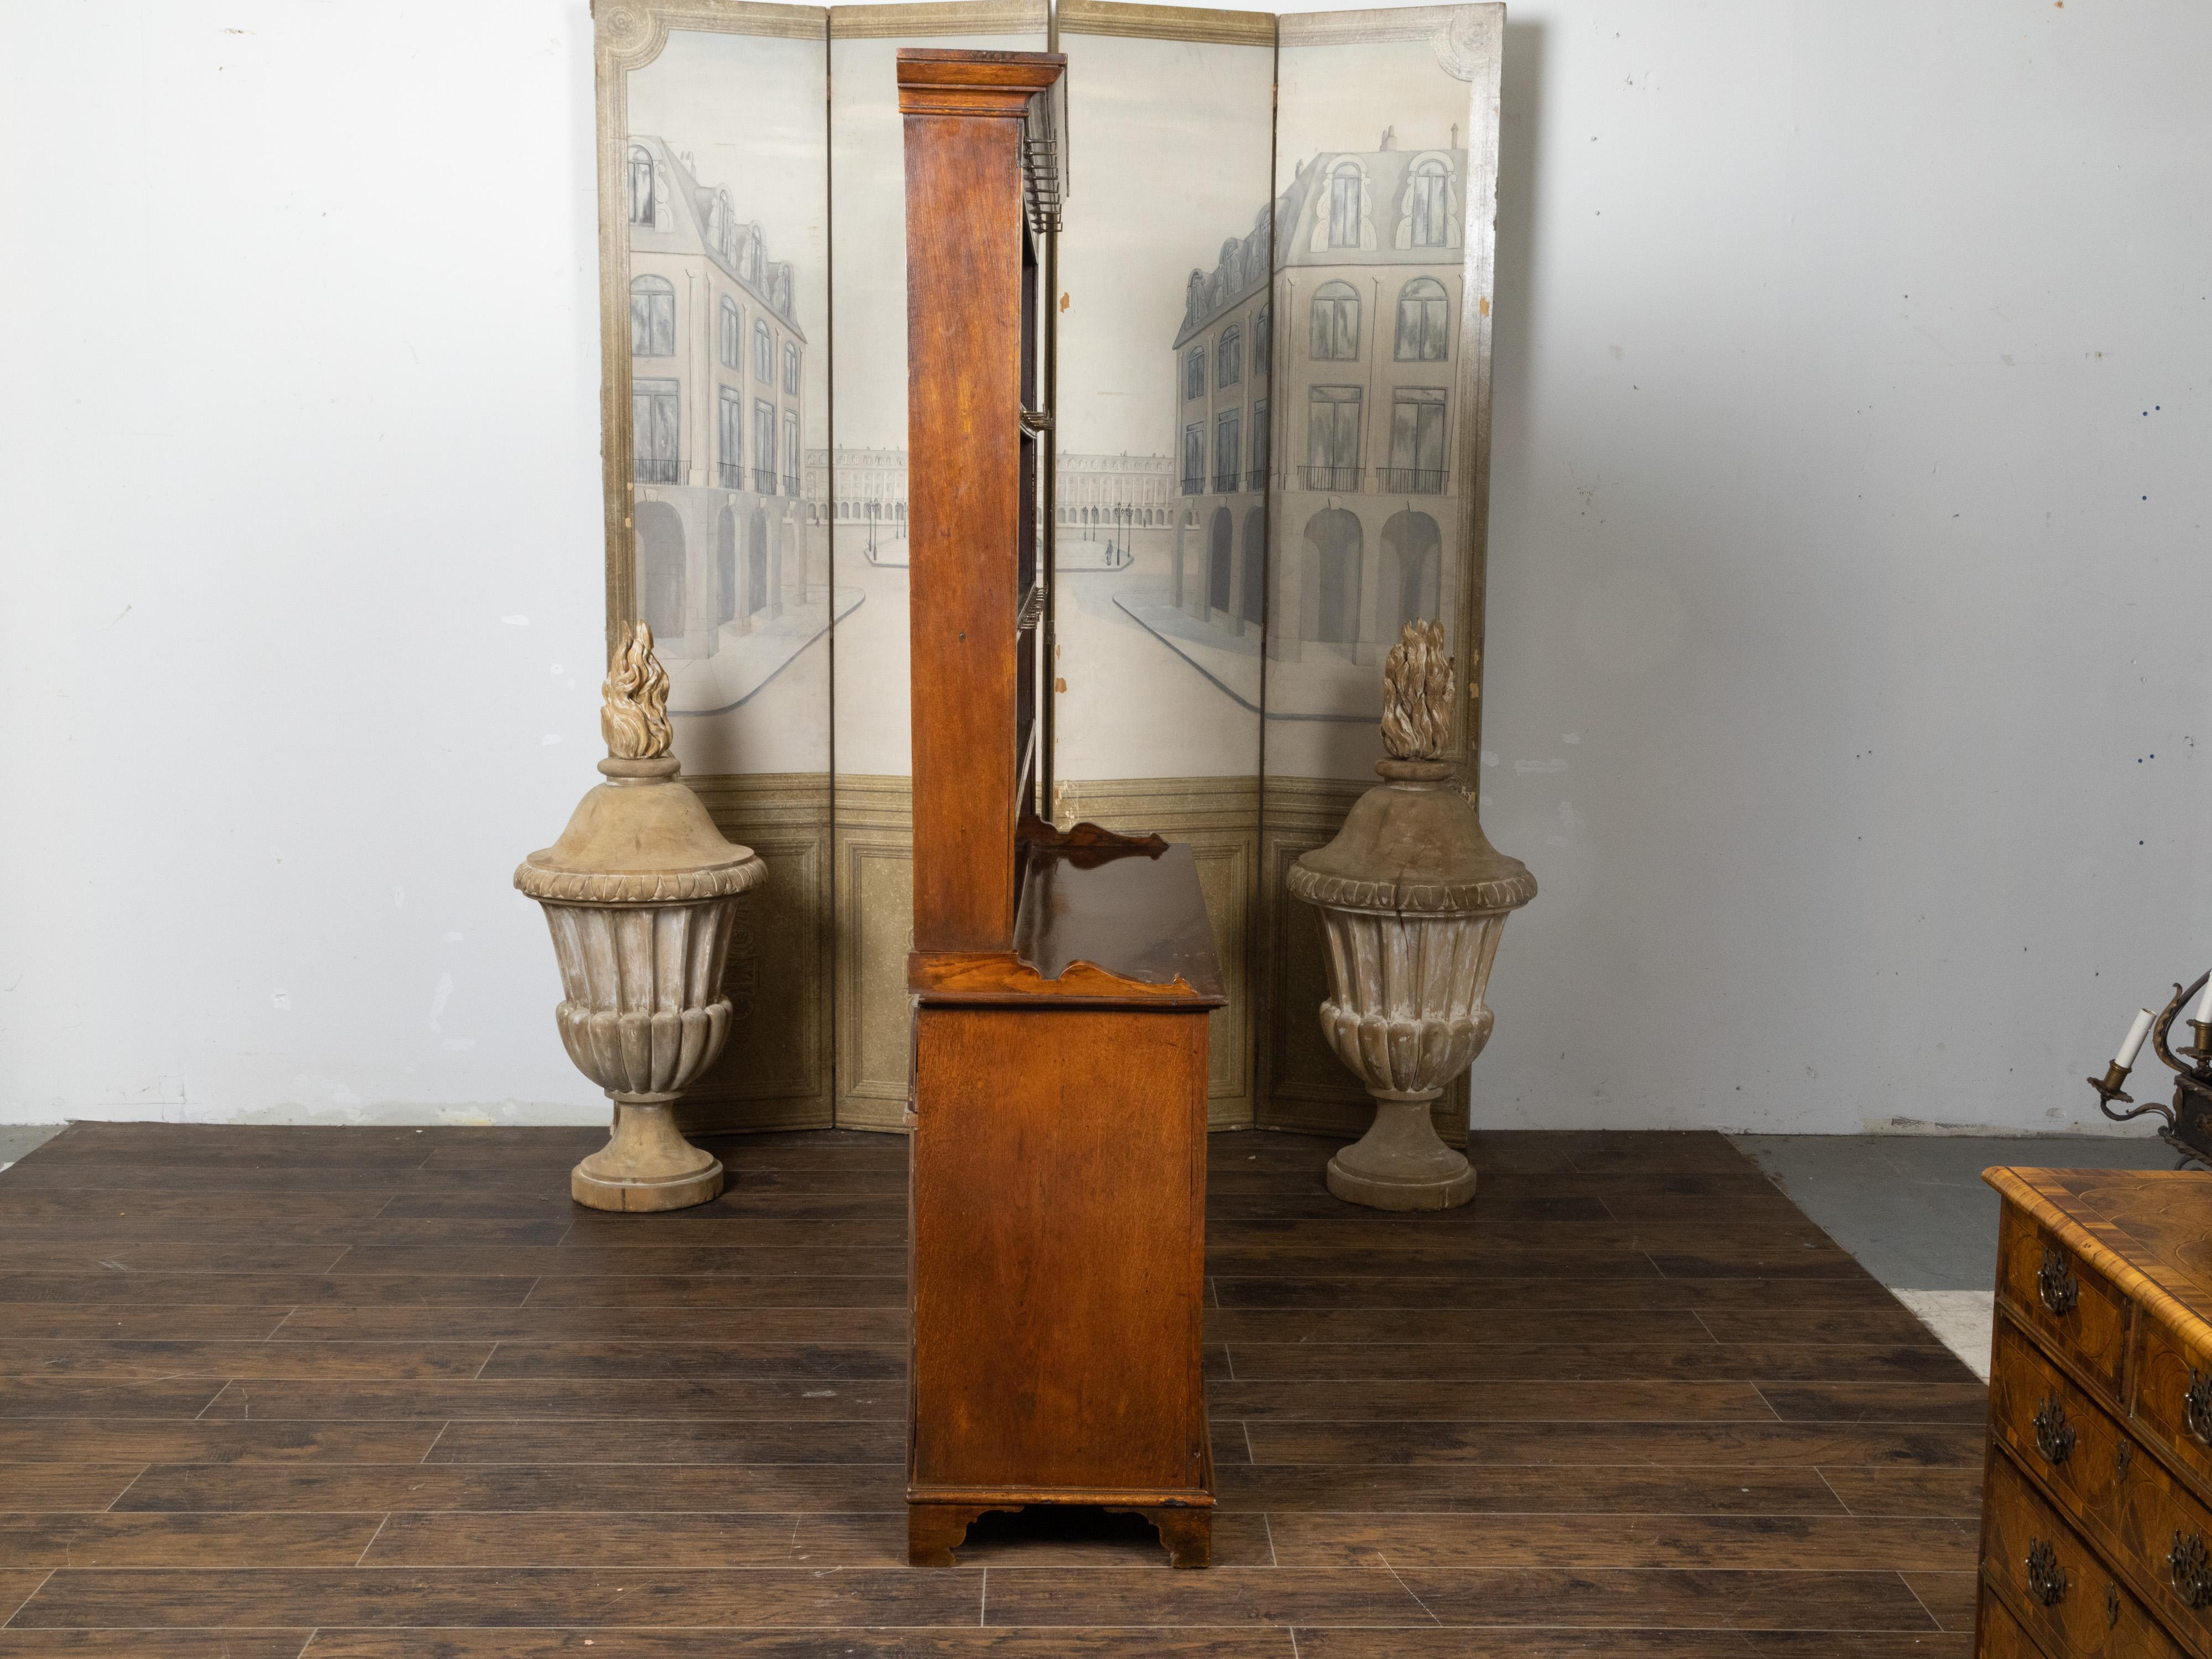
<point x="2204" y="1006"/>
<point x="2133" y="1044"/>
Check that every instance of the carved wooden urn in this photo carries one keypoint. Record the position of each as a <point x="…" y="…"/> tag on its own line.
<point x="1413" y="899"/>
<point x="640" y="892"/>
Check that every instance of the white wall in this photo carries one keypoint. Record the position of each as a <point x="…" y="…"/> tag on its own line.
<point x="301" y="643"/>
<point x="1833" y="554"/>
<point x="1841" y="591"/>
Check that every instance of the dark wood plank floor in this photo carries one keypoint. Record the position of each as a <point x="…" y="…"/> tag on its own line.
<point x="364" y="1394"/>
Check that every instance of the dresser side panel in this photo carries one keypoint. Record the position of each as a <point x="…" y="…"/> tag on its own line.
<point x="1058" y="1191"/>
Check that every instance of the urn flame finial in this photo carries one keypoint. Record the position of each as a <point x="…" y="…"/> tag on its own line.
<point x="1417" y="693"/>
<point x="634" y="719"/>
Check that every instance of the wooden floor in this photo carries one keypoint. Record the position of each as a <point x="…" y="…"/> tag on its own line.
<point x="375" y="1393"/>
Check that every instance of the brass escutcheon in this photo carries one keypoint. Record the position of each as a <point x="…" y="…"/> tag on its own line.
<point x="2191" y="1569"/>
<point x="2054" y="1435"/>
<point x="2197" y="1405"/>
<point x="2055" y="1282"/>
<point x="2046" y="1579"/>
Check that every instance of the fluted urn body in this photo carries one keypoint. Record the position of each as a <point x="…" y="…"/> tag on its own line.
<point x="1412" y="898"/>
<point x="642" y="1012"/>
<point x="640" y="893"/>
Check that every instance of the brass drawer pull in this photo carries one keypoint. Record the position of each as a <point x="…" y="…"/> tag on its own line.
<point x="2191" y="1569"/>
<point x="2122" y="1455"/>
<point x="2054" y="1435"/>
<point x="2111" y="1604"/>
<point x="2046" y="1579"/>
<point x="2197" y="1405"/>
<point x="2055" y="1282"/>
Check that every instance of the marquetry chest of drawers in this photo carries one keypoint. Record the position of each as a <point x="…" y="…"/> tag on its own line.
<point x="2097" y="1516"/>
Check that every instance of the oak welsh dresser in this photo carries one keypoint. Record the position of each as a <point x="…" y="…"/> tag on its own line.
<point x="2097" y="1515"/>
<point x="1061" y="981"/>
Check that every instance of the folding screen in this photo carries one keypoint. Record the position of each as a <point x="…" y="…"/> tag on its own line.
<point x="1275" y="280"/>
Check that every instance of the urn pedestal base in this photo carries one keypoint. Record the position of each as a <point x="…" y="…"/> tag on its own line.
<point x="647" y="1164"/>
<point x="1401" y="1164"/>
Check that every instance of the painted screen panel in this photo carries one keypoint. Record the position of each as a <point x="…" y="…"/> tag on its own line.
<point x="724" y="194"/>
<point x="868" y="216"/>
<point x="1386" y="139"/>
<point x="1162" y="538"/>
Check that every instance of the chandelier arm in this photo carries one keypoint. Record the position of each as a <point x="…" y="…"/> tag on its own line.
<point x="2165" y="1021"/>
<point x="2183" y="1077"/>
<point x="2106" y="1107"/>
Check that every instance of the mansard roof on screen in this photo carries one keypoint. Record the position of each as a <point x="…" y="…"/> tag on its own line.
<point x="705" y="221"/>
<point x="1379" y="222"/>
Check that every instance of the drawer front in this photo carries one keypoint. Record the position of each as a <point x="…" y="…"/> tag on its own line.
<point x="2119" y="1494"/>
<point x="2173" y="1397"/>
<point x="2163" y="1539"/>
<point x="2002" y="1636"/>
<point x="2057" y="1429"/>
<point x="2053" y="1584"/>
<point x="2071" y="1306"/>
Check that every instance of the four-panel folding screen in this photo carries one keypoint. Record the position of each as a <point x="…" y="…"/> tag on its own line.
<point x="1272" y="437"/>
